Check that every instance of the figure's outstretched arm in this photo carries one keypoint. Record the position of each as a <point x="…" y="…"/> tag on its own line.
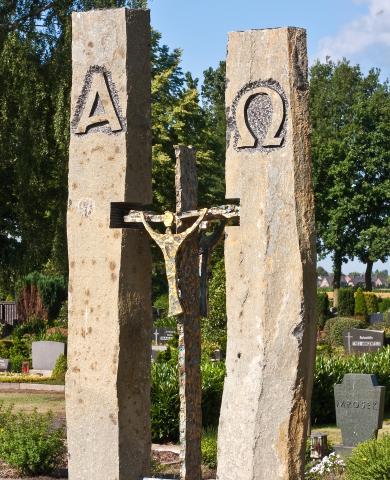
<point x="195" y="225"/>
<point x="157" y="237"/>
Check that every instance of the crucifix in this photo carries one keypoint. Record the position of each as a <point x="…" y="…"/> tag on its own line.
<point x="186" y="270"/>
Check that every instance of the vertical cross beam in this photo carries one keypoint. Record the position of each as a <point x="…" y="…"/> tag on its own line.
<point x="189" y="322"/>
<point x="269" y="258"/>
<point x="110" y="320"/>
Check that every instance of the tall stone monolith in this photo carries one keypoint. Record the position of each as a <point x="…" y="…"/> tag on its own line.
<point x="110" y="322"/>
<point x="270" y="258"/>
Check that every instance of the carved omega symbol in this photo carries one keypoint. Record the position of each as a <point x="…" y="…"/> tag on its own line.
<point x="259" y="116"/>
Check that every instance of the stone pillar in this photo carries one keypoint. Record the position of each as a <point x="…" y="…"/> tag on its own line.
<point x="270" y="259"/>
<point x="110" y="321"/>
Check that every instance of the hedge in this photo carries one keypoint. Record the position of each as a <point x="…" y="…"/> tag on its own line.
<point x="335" y="327"/>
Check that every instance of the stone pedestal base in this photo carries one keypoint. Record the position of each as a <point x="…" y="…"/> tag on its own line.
<point x="343" y="451"/>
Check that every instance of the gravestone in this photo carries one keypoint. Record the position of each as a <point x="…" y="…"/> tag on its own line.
<point x="377" y="317"/>
<point x="358" y="340"/>
<point x="359" y="405"/>
<point x="4" y="364"/>
<point x="269" y="258"/>
<point x="110" y="313"/>
<point x="161" y="336"/>
<point x="45" y="354"/>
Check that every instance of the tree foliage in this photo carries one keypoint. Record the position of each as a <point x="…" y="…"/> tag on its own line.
<point x="35" y="82"/>
<point x="350" y="119"/>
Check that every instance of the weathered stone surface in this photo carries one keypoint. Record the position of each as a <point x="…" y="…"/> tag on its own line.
<point x="359" y="403"/>
<point x="270" y="259"/>
<point x="110" y="321"/>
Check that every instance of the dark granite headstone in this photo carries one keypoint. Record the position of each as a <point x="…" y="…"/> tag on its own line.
<point x="375" y="318"/>
<point x="4" y="364"/>
<point x="361" y="341"/>
<point x="359" y="405"/>
<point x="161" y="336"/>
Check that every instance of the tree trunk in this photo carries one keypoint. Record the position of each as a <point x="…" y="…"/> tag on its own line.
<point x="368" y="279"/>
<point x="337" y="263"/>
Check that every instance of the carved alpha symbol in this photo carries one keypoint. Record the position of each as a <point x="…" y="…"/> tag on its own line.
<point x="97" y="108"/>
<point x="259" y="116"/>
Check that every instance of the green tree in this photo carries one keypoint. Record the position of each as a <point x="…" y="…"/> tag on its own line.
<point x="350" y="151"/>
<point x="369" y="148"/>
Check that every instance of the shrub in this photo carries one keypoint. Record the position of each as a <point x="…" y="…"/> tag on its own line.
<point x="384" y="304"/>
<point x="5" y="346"/>
<point x="382" y="326"/>
<point x="346" y="302"/>
<point x="331" y="369"/>
<point x="62" y="318"/>
<point x="370" y="460"/>
<point x="213" y="377"/>
<point x="16" y="362"/>
<point x="209" y="447"/>
<point x="165" y="402"/>
<point x="334" y="328"/>
<point x="30" y="443"/>
<point x="322" y="307"/>
<point x="34" y="326"/>
<point x="214" y="325"/>
<point x="360" y="304"/>
<point x="371" y="302"/>
<point x="60" y="368"/>
<point x="40" y="295"/>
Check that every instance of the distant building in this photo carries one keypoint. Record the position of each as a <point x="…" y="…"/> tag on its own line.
<point x="354" y="280"/>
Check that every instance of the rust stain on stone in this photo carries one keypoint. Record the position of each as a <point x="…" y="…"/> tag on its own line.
<point x="113" y="277"/>
<point x="112" y="265"/>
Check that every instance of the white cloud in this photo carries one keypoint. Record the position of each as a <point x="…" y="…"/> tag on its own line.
<point x="368" y="32"/>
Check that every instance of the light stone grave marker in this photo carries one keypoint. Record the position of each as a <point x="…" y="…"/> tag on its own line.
<point x="4" y="364"/>
<point x="271" y="322"/>
<point x="110" y="315"/>
<point x="269" y="258"/>
<point x="45" y="354"/>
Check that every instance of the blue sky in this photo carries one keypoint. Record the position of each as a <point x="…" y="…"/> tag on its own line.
<point x="356" y="29"/>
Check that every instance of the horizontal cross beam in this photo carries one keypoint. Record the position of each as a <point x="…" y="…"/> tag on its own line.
<point x="214" y="213"/>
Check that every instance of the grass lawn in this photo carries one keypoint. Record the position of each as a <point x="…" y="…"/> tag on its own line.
<point x="41" y="401"/>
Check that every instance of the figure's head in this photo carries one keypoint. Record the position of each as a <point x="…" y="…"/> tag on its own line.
<point x="168" y="221"/>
